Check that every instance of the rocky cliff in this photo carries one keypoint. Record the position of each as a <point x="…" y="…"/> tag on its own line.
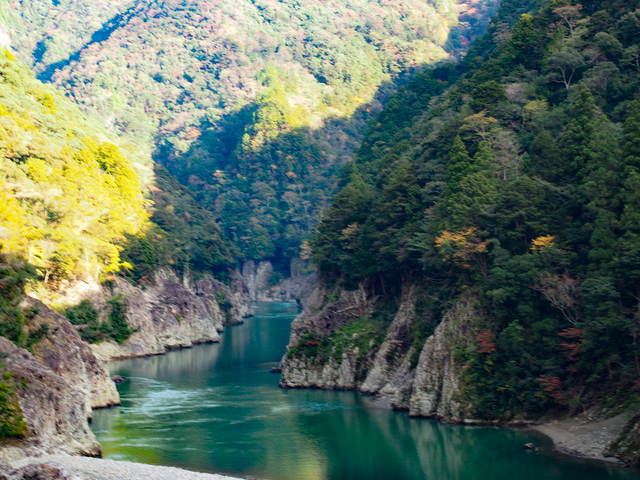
<point x="336" y="343"/>
<point x="259" y="282"/>
<point x="304" y="365"/>
<point x="54" y="406"/>
<point x="66" y="355"/>
<point x="391" y="375"/>
<point x="436" y="388"/>
<point x="172" y="313"/>
<point x="64" y="378"/>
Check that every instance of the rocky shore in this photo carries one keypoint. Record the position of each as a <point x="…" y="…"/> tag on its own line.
<point x="67" y="467"/>
<point x="586" y="435"/>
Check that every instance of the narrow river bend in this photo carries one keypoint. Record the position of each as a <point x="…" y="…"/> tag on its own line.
<point x="215" y="408"/>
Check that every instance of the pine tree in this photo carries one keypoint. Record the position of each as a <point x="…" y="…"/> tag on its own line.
<point x="458" y="167"/>
<point x="631" y="142"/>
<point x="526" y="44"/>
<point x="577" y="139"/>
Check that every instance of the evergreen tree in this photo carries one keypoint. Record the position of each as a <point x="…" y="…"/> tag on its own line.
<point x="631" y="141"/>
<point x="475" y="192"/>
<point x="458" y="166"/>
<point x="576" y="142"/>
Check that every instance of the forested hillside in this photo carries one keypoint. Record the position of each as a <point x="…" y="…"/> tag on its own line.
<point x="73" y="203"/>
<point x="512" y="177"/>
<point x="253" y="105"/>
<point x="68" y="195"/>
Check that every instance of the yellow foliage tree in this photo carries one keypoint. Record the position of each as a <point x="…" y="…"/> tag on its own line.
<point x="464" y="248"/>
<point x="540" y="243"/>
<point x="67" y="196"/>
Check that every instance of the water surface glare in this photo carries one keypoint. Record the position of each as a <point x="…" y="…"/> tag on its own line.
<point x="215" y="408"/>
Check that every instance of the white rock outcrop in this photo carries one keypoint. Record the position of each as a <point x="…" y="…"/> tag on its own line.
<point x="390" y="377"/>
<point x="436" y="387"/>
<point x="171" y="314"/>
<point x="404" y="372"/>
<point x="52" y="406"/>
<point x="63" y="351"/>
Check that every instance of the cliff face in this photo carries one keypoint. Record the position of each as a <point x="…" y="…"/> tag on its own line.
<point x="404" y="371"/>
<point x="65" y="354"/>
<point x="54" y="407"/>
<point x="258" y="282"/>
<point x="392" y="374"/>
<point x="172" y="314"/>
<point x="335" y="371"/>
<point x="436" y="388"/>
<point x="66" y="378"/>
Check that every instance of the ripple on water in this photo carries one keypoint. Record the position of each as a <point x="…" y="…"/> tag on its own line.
<point x="313" y="408"/>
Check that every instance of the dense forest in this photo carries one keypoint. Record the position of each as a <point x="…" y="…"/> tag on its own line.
<point x="512" y="176"/>
<point x="74" y="206"/>
<point x="68" y="194"/>
<point x="253" y="105"/>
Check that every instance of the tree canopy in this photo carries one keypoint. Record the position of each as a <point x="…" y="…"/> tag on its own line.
<point x="516" y="178"/>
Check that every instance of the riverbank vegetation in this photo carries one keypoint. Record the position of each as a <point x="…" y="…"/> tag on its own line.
<point x="513" y="174"/>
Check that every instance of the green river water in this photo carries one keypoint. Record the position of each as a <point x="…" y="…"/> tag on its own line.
<point x="215" y="408"/>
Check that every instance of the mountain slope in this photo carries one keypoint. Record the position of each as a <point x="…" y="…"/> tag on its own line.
<point x="512" y="194"/>
<point x="69" y="195"/>
<point x="254" y="105"/>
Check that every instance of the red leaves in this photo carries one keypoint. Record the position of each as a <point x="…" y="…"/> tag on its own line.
<point x="553" y="385"/>
<point x="486" y="342"/>
<point x="572" y="350"/>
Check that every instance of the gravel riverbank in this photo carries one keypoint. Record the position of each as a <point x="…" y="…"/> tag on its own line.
<point x="583" y="436"/>
<point x="84" y="468"/>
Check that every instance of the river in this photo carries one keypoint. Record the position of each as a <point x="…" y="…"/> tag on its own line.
<point x="215" y="408"/>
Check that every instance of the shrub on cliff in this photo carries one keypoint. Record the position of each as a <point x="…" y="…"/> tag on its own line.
<point x="115" y="327"/>
<point x="85" y="316"/>
<point x="12" y="423"/>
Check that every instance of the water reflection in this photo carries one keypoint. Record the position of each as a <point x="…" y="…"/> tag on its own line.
<point x="216" y="408"/>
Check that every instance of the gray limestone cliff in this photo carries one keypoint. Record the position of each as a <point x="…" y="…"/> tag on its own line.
<point x="63" y="351"/>
<point x="436" y="387"/>
<point x="413" y="367"/>
<point x="391" y="376"/>
<point x="54" y="408"/>
<point x="172" y="314"/>
<point x="336" y="371"/>
<point x="258" y="279"/>
<point x="64" y="378"/>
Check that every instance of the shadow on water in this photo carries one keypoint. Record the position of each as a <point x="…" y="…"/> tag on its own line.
<point x="216" y="408"/>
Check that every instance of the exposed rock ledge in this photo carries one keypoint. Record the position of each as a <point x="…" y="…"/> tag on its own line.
<point x="54" y="407"/>
<point x="258" y="281"/>
<point x="170" y="313"/>
<point x="67" y="355"/>
<point x="421" y="378"/>
<point x="66" y="378"/>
